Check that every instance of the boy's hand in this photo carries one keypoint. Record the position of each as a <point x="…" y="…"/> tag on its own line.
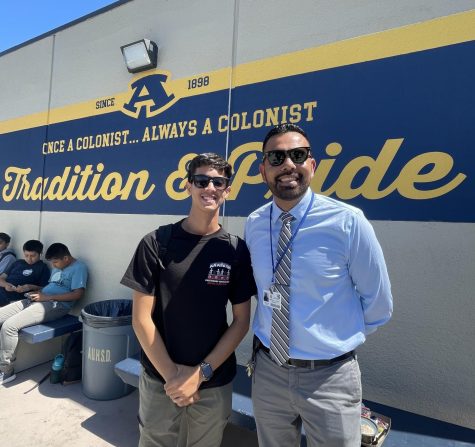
<point x="185" y="384"/>
<point x="38" y="296"/>
<point x="10" y="288"/>
<point x="184" y="402"/>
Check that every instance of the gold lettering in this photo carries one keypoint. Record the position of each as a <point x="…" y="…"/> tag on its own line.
<point x="207" y="127"/>
<point x="309" y="107"/>
<point x="164" y="130"/>
<point x="16" y="175"/>
<point x="242" y="173"/>
<point x="376" y="171"/>
<point x="412" y="172"/>
<point x="146" y="135"/>
<point x="272" y="116"/>
<point x="441" y="163"/>
<point x="245" y="124"/>
<point x="222" y="127"/>
<point x="65" y="186"/>
<point x="295" y="115"/>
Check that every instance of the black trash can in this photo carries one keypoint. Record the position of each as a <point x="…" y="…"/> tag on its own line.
<point x="108" y="338"/>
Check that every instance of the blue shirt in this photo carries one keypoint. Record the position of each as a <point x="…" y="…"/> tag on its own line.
<point x="72" y="277"/>
<point x="339" y="287"/>
<point x="7" y="258"/>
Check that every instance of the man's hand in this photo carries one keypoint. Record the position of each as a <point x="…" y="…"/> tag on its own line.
<point x="185" y="384"/>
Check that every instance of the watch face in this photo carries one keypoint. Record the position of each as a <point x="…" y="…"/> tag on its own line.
<point x="206" y="370"/>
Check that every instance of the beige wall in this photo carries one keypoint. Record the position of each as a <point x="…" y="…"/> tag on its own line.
<point x="422" y="361"/>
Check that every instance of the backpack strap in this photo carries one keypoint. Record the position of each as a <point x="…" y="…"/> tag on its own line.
<point x="233" y="240"/>
<point x="163" y="234"/>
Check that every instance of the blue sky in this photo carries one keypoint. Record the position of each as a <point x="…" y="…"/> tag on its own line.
<point x="22" y="20"/>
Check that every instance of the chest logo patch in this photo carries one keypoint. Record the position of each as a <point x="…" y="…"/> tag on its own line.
<point x="219" y="274"/>
<point x="27" y="272"/>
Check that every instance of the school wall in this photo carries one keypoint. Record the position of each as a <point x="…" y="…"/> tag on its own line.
<point x="422" y="361"/>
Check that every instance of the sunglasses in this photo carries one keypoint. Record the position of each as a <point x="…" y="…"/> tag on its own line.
<point x="298" y="155"/>
<point x="202" y="181"/>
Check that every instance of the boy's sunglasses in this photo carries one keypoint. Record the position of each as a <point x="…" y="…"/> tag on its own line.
<point x="202" y="181"/>
<point x="298" y="155"/>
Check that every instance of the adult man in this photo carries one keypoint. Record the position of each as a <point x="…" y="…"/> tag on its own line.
<point x="7" y="255"/>
<point x="179" y="315"/>
<point x="24" y="275"/>
<point x="322" y="288"/>
<point x="66" y="285"/>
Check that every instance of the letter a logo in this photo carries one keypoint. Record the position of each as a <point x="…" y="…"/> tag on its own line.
<point x="149" y="97"/>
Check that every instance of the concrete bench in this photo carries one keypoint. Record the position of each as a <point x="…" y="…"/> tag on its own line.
<point x="129" y="370"/>
<point x="52" y="329"/>
<point x="406" y="428"/>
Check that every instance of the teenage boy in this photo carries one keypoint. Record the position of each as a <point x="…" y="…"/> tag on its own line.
<point x="179" y="316"/>
<point x="24" y="275"/>
<point x="7" y="255"/>
<point x="66" y="285"/>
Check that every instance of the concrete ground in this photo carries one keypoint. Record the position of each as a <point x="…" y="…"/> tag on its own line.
<point x="53" y="415"/>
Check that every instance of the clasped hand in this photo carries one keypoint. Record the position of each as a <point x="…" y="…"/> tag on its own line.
<point x="183" y="387"/>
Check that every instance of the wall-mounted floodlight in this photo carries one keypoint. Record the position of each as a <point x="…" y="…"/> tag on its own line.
<point x="140" y="55"/>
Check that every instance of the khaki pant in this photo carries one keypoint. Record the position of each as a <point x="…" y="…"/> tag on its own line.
<point x="20" y="314"/>
<point x="164" y="424"/>
<point x="326" y="400"/>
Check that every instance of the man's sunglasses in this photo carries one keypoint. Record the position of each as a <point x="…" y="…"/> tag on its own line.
<point x="202" y="181"/>
<point x="298" y="155"/>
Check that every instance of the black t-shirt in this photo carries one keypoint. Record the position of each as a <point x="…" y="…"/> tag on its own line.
<point x="202" y="273"/>
<point x="20" y="273"/>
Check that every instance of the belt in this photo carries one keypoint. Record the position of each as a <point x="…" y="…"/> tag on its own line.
<point x="310" y="364"/>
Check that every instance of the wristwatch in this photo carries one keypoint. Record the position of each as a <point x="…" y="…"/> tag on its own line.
<point x="206" y="371"/>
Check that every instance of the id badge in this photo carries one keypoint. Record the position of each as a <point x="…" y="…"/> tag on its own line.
<point x="272" y="298"/>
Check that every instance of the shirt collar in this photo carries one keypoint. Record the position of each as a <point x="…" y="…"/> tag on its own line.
<point x="297" y="211"/>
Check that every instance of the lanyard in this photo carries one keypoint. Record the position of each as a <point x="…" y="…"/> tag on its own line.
<point x="274" y="269"/>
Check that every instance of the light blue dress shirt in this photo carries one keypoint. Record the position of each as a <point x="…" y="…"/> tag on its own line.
<point x="339" y="287"/>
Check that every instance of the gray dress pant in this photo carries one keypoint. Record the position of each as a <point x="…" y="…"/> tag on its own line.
<point x="326" y="400"/>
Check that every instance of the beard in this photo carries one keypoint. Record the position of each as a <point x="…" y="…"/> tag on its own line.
<point x="287" y="192"/>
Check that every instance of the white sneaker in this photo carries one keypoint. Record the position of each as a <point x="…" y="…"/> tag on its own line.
<point x="6" y="377"/>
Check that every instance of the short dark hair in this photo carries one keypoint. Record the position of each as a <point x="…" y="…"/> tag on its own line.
<point x="33" y="245"/>
<point x="213" y="161"/>
<point x="5" y="238"/>
<point x="281" y="129"/>
<point x="57" y="251"/>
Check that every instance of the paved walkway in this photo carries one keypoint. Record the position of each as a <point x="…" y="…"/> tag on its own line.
<point x="58" y="416"/>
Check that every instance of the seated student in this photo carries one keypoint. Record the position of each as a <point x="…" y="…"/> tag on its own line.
<point x="7" y="256"/>
<point x="24" y="275"/>
<point x="66" y="285"/>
